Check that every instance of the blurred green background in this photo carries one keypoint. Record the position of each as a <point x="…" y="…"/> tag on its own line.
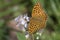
<point x="10" y="9"/>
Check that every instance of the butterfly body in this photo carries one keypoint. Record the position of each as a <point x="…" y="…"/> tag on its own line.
<point x="38" y="19"/>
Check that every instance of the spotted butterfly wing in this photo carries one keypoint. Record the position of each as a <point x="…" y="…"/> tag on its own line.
<point x="38" y="19"/>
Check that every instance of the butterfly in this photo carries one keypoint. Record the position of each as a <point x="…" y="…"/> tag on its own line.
<point x="38" y="19"/>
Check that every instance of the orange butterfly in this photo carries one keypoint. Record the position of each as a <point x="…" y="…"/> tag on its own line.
<point x="38" y="19"/>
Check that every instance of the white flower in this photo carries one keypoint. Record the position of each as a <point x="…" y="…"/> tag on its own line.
<point x="22" y="21"/>
<point x="37" y="37"/>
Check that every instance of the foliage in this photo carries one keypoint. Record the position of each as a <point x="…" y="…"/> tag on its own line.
<point x="9" y="9"/>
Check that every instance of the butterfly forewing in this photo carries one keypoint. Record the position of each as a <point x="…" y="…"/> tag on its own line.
<point x="38" y="11"/>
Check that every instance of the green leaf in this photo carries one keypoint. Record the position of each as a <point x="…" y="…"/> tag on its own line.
<point x="20" y="36"/>
<point x="1" y="22"/>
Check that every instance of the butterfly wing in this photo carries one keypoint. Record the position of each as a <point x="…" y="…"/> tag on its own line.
<point x="38" y="12"/>
<point x="38" y="19"/>
<point x="35" y="25"/>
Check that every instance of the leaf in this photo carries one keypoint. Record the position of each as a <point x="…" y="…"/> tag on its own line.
<point x="20" y="36"/>
<point x="1" y="22"/>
